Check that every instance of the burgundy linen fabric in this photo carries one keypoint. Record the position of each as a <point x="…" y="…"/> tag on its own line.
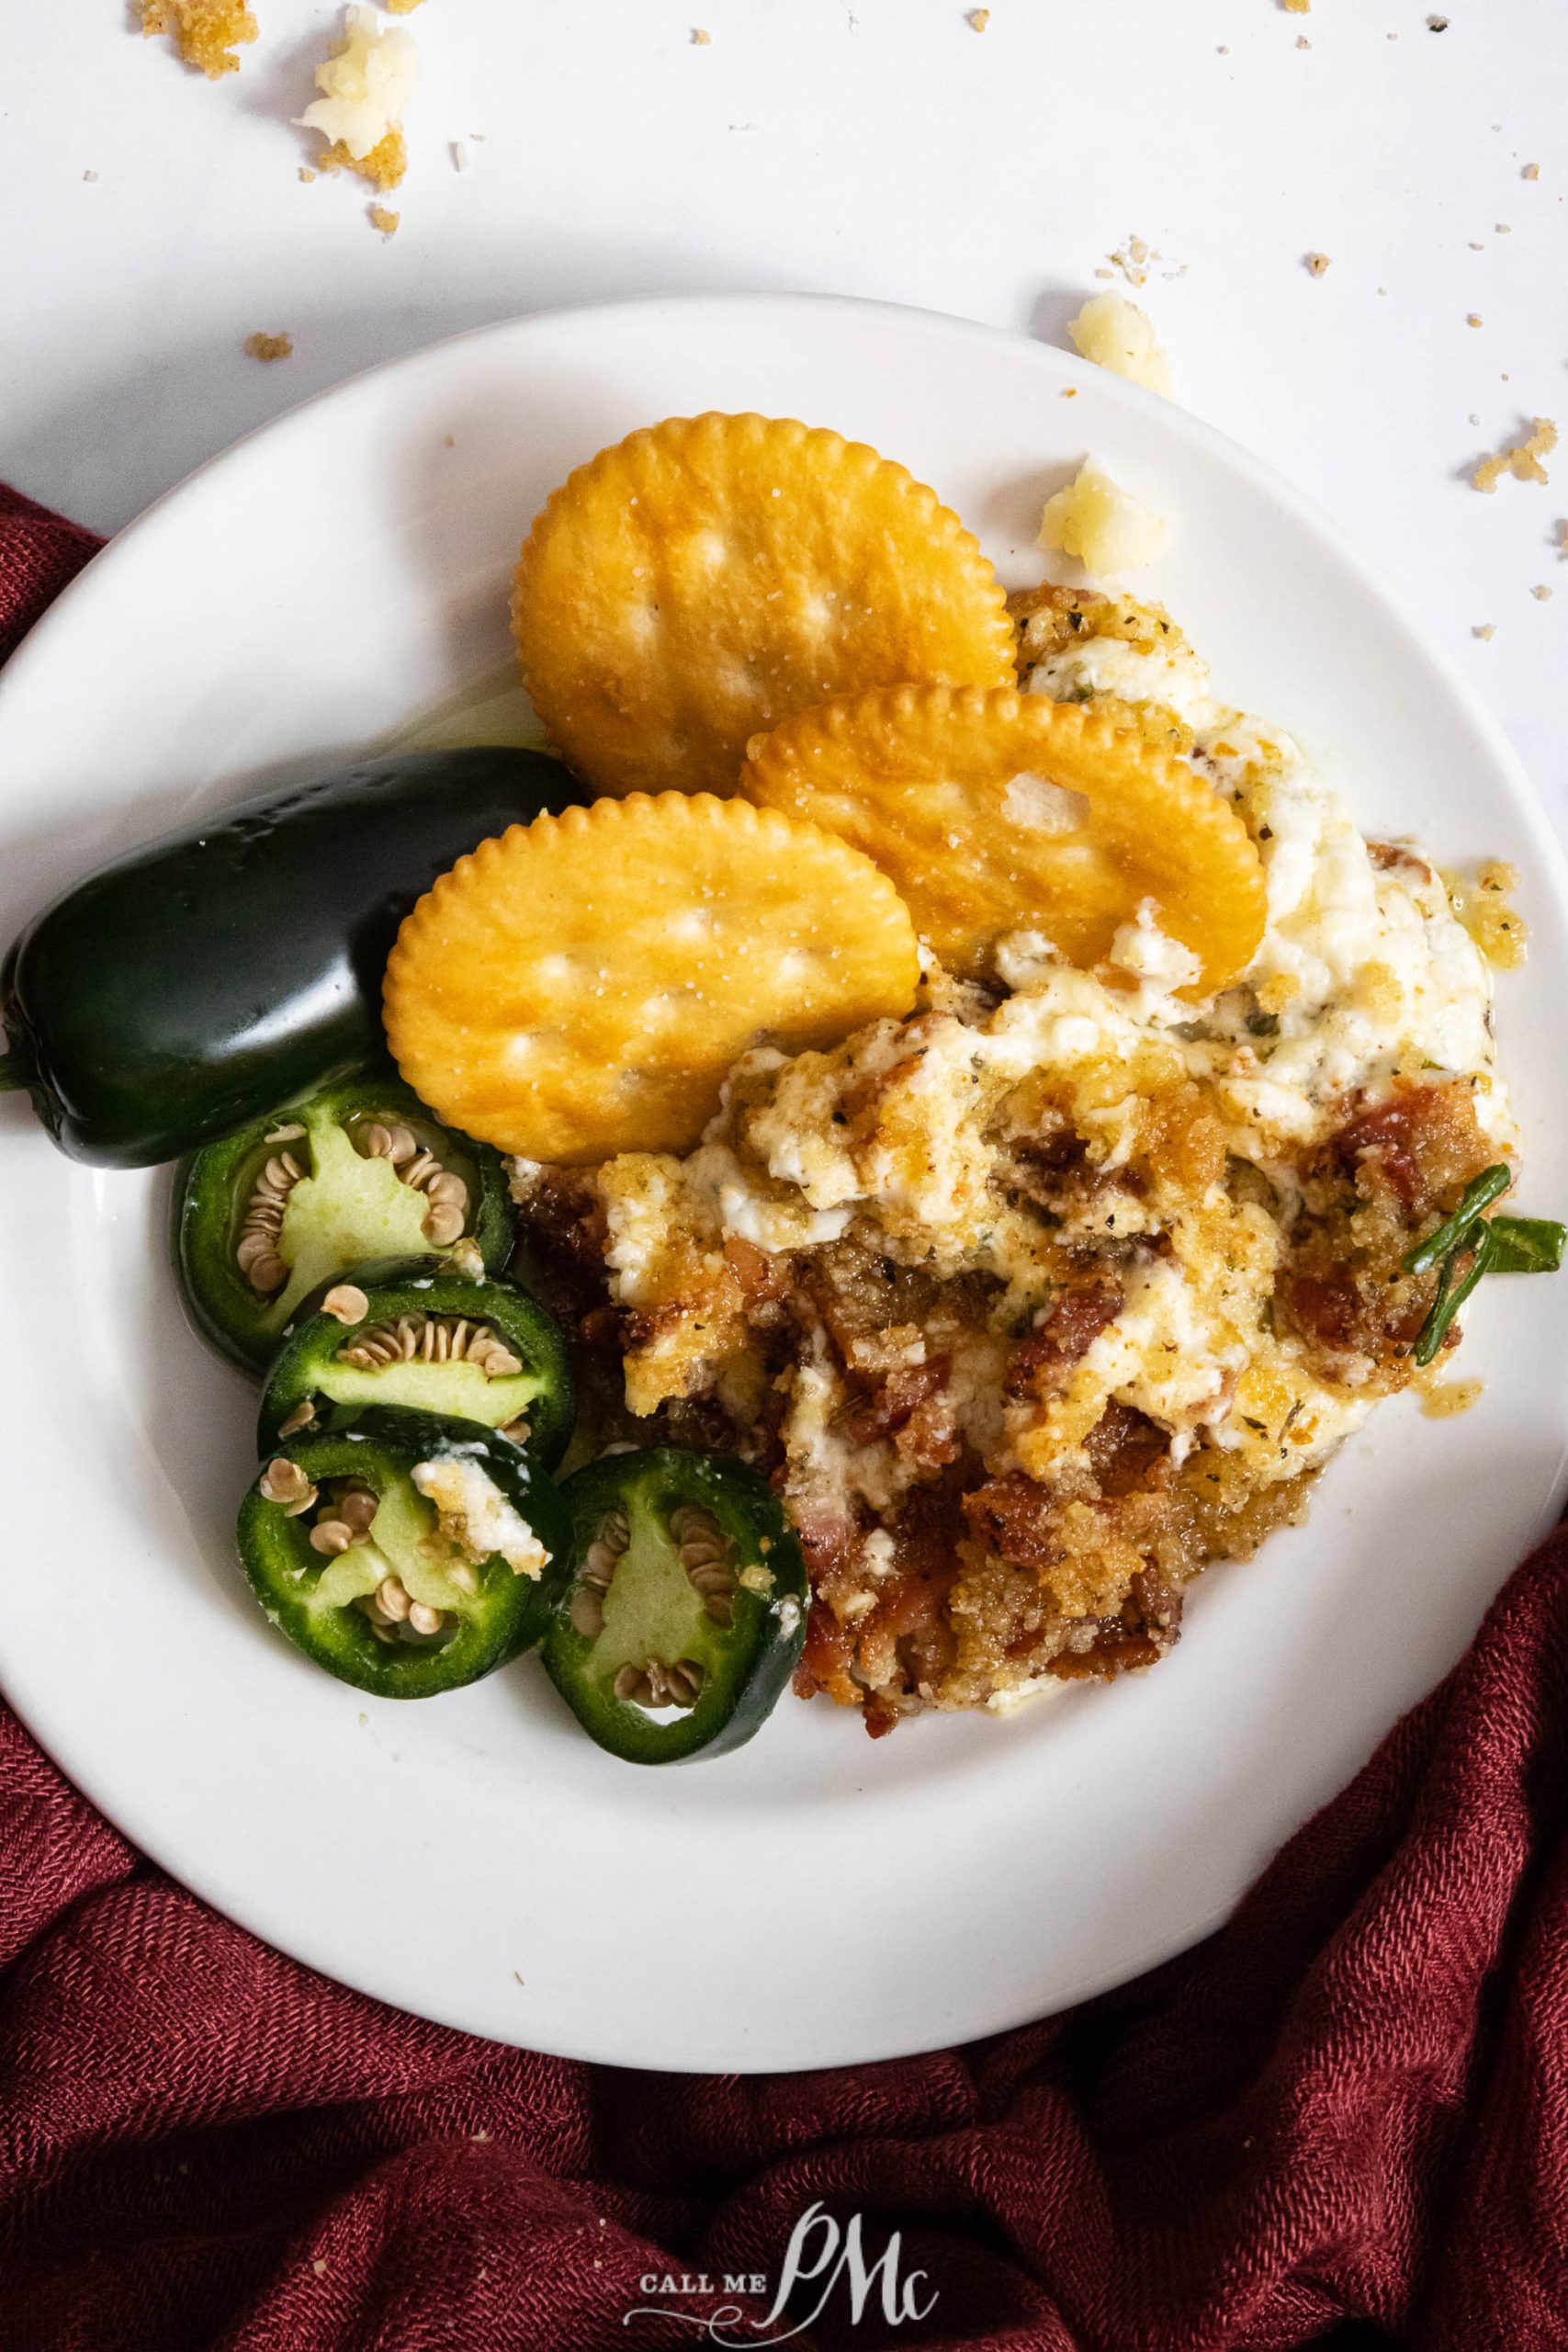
<point x="1342" y="2120"/>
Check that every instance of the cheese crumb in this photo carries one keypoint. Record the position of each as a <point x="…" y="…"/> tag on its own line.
<point x="700" y="39"/>
<point x="1486" y="630"/>
<point x="207" y="32"/>
<point x="1522" y="458"/>
<point x="980" y="18"/>
<point x="306" y="174"/>
<point x="1103" y="525"/>
<point x="1298" y="8"/>
<point x="1317" y="263"/>
<point x="400" y="7"/>
<point x="365" y="84"/>
<point x="383" y="220"/>
<point x="1116" y="336"/>
<point x="1472" y="319"/>
<point x="1530" y="171"/>
<point x="269" y="346"/>
<point x="383" y="168"/>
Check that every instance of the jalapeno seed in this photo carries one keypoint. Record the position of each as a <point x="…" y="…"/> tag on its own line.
<point x="419" y="1168"/>
<point x="256" y="1253"/>
<point x="431" y="1338"/>
<point x="285" y="1483"/>
<point x="346" y="1302"/>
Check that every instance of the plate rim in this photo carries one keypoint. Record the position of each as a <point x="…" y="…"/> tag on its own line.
<point x="1397" y="604"/>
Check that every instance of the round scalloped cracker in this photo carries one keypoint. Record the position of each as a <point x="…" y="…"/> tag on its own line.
<point x="712" y="575"/>
<point x="583" y="984"/>
<point x="1000" y="812"/>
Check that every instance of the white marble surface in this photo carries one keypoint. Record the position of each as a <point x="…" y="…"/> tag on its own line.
<point x="152" y="220"/>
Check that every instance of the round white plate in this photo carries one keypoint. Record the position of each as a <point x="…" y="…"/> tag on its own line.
<point x="816" y="1898"/>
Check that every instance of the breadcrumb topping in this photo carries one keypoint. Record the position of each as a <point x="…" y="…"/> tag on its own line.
<point x="207" y="32"/>
<point x="269" y="346"/>
<point x="1521" y="458"/>
<point x="383" y="168"/>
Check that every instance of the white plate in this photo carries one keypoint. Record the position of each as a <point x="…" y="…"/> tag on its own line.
<point x="816" y="1898"/>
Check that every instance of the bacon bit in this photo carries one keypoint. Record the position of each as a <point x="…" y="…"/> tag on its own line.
<point x="893" y="1402"/>
<point x="1074" y="1320"/>
<point x="1011" y="1515"/>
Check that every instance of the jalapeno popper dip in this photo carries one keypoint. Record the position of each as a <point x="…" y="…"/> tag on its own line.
<point x="1036" y="1301"/>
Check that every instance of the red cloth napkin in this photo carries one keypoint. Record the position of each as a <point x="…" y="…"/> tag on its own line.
<point x="1342" y="2120"/>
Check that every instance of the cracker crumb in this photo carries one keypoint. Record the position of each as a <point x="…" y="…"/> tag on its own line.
<point x="383" y="168"/>
<point x="383" y="220"/>
<point x="400" y="7"/>
<point x="1503" y="228"/>
<point x="207" y="32"/>
<point x="1302" y="41"/>
<point x="1542" y="593"/>
<point x="269" y="346"/>
<point x="1476" y="246"/>
<point x="700" y="37"/>
<point x="1297" y="7"/>
<point x="980" y="18"/>
<point x="366" y="84"/>
<point x="1486" y="630"/>
<point x="1116" y="336"/>
<point x="1133" y="260"/>
<point x="1437" y="23"/>
<point x="1472" y="319"/>
<point x="1530" y="171"/>
<point x="306" y="174"/>
<point x="89" y="176"/>
<point x="1317" y="263"/>
<point x="1521" y="458"/>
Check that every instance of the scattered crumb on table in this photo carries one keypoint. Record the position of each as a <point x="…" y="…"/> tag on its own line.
<point x="1474" y="318"/>
<point x="366" y="83"/>
<point x="1521" y="458"/>
<point x="1317" y="263"/>
<point x="320" y="2265"/>
<point x="306" y="174"/>
<point x="980" y="18"/>
<point x="1542" y="593"/>
<point x="1486" y="630"/>
<point x="383" y="220"/>
<point x="400" y="7"/>
<point x="1297" y="7"/>
<point x="382" y="168"/>
<point x="1530" y="171"/>
<point x="89" y="176"/>
<point x="701" y="37"/>
<point x="1302" y="41"/>
<point x="207" y="32"/>
<point x="269" y="346"/>
<point x="1437" y="23"/>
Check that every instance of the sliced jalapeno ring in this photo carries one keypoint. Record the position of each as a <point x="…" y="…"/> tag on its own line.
<point x="406" y="1554"/>
<point x="686" y="1607"/>
<point x="410" y="1333"/>
<point x="359" y="1171"/>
